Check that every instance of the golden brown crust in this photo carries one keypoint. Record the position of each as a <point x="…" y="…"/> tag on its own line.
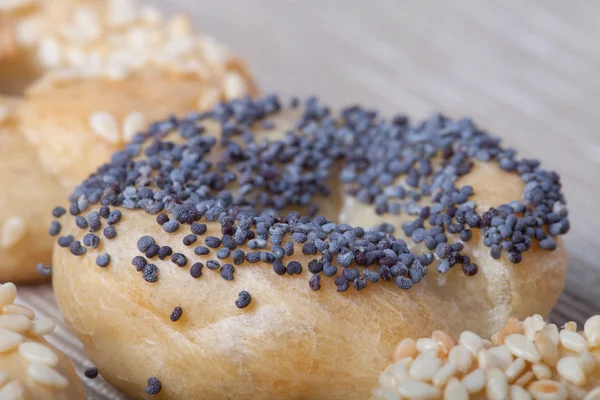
<point x="56" y="118"/>
<point x="26" y="200"/>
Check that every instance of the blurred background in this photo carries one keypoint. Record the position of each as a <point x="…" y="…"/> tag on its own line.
<point x="525" y="70"/>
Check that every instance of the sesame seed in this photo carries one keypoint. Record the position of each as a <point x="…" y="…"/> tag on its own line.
<point x="179" y="259"/>
<point x="196" y="270"/>
<point x="154" y="386"/>
<point x="244" y="299"/>
<point x="103" y="260"/>
<point x="91" y="373"/>
<point x="176" y="314"/>
<point x="150" y="273"/>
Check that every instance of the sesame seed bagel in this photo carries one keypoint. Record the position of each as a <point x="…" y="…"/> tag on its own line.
<point x="24" y="215"/>
<point x="528" y="359"/>
<point x="30" y="368"/>
<point x="264" y="250"/>
<point x="87" y="75"/>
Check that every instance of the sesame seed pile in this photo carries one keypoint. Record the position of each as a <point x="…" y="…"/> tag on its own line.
<point x="22" y="332"/>
<point x="250" y="188"/>
<point x="524" y="360"/>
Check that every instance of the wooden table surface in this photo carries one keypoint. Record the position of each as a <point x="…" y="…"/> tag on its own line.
<point x="525" y="70"/>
